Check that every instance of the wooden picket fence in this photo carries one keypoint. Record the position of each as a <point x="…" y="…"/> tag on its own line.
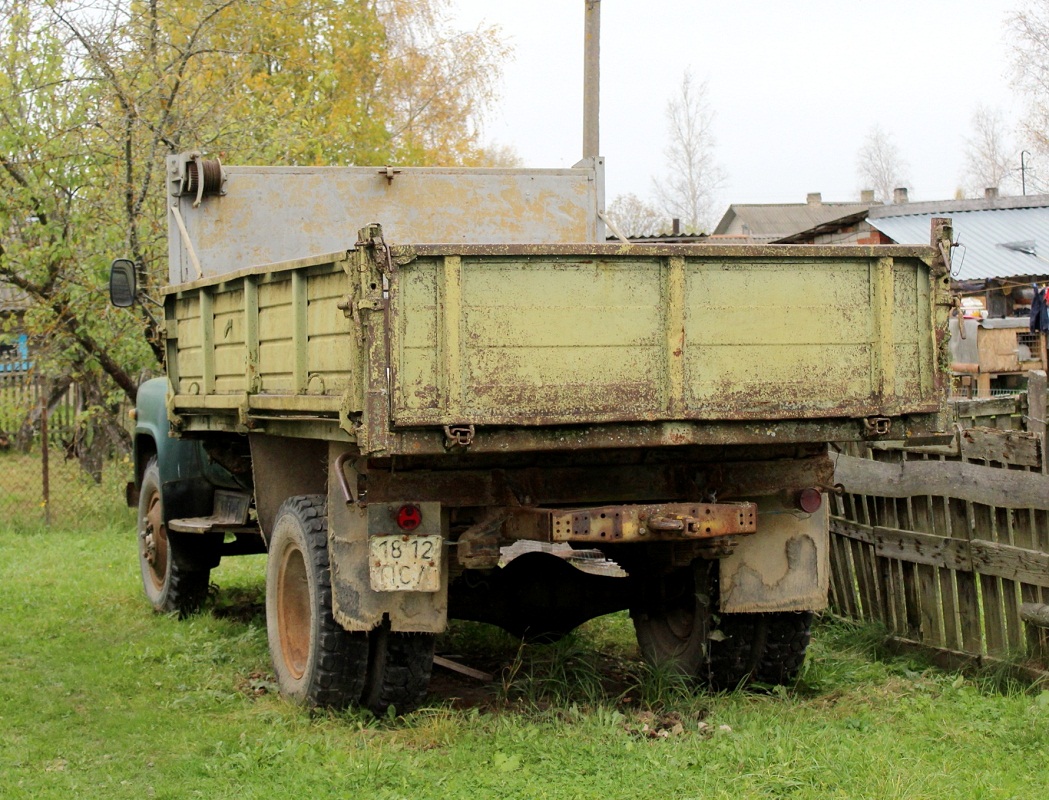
<point x="947" y="546"/>
<point x="22" y="391"/>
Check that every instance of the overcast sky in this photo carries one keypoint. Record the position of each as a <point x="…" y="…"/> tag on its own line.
<point x="795" y="85"/>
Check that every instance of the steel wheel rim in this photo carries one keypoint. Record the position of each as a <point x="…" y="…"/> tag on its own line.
<point x="155" y="542"/>
<point x="293" y="611"/>
<point x="681" y="623"/>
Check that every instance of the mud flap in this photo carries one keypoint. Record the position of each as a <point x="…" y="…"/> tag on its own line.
<point x="355" y="605"/>
<point x="785" y="566"/>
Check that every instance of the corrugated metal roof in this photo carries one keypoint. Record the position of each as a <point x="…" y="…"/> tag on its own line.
<point x="993" y="243"/>
<point x="663" y="238"/>
<point x="835" y="225"/>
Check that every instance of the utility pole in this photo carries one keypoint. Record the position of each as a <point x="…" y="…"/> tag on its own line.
<point x="1023" y="172"/>
<point x="592" y="79"/>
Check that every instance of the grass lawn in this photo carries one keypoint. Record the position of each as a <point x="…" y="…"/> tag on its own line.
<point x="102" y="698"/>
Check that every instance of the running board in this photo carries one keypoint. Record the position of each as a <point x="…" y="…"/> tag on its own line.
<point x="230" y="515"/>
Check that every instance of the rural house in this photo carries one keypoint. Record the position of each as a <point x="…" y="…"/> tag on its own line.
<point x="14" y="349"/>
<point x="758" y="223"/>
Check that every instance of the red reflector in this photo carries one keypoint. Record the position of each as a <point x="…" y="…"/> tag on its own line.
<point x="809" y="500"/>
<point x="409" y="518"/>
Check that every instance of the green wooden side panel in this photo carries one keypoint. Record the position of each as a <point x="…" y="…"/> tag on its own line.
<point x="189" y="337"/>
<point x="520" y="338"/>
<point x="331" y="342"/>
<point x="774" y="338"/>
<point x="229" y="337"/>
<point x="279" y="333"/>
<point x="276" y="341"/>
<point x="420" y="340"/>
<point x="554" y="337"/>
<point x="910" y="332"/>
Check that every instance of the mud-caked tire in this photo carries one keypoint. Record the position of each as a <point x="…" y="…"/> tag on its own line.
<point x="673" y="630"/>
<point x="685" y="634"/>
<point x="398" y="671"/>
<point x="172" y="578"/>
<point x="787" y="640"/>
<point x="317" y="662"/>
<point x="766" y="648"/>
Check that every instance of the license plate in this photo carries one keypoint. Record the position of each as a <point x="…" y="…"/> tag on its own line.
<point x="405" y="563"/>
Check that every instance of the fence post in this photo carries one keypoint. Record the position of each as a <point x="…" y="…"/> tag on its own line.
<point x="1036" y="410"/>
<point x="1036" y="619"/>
<point x="44" y="459"/>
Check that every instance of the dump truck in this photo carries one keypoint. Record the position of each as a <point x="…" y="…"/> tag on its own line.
<point x="441" y="394"/>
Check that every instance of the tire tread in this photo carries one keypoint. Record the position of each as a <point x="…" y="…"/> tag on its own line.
<point x="399" y="674"/>
<point x="185" y="589"/>
<point x="341" y="657"/>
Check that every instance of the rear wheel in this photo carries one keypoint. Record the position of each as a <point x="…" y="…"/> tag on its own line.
<point x="317" y="662"/>
<point x="673" y="631"/>
<point x="789" y="633"/>
<point x="398" y="671"/>
<point x="682" y="632"/>
<point x="170" y="577"/>
<point x="762" y="648"/>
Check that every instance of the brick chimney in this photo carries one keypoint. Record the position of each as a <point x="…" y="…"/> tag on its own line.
<point x="814" y="199"/>
<point x="990" y="193"/>
<point x="867" y="196"/>
<point x="899" y="195"/>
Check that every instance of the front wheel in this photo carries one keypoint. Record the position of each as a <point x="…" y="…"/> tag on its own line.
<point x="317" y="661"/>
<point x="171" y="580"/>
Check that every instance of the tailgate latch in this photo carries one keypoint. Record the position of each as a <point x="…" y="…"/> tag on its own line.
<point x="458" y="436"/>
<point x="876" y="426"/>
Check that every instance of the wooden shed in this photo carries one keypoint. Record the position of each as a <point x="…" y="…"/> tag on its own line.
<point x="994" y="356"/>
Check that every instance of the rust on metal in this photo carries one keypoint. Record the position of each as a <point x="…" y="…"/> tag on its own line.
<point x="802" y="252"/>
<point x="667" y="522"/>
<point x="531" y="437"/>
<point x="153" y="540"/>
<point x="349" y="492"/>
<point x="458" y="436"/>
<point x="478" y="546"/>
<point x="230" y="513"/>
<point x="698" y="523"/>
<point x="482" y="483"/>
<point x="876" y="426"/>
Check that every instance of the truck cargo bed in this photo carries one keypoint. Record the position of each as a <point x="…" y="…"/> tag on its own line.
<point x="414" y="348"/>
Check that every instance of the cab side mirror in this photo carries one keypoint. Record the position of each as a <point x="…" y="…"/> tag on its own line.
<point x="123" y="288"/>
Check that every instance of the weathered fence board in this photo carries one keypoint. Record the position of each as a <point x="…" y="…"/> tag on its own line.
<point x="910" y="546"/>
<point x="948" y="545"/>
<point x="974" y="483"/>
<point x="1019" y="448"/>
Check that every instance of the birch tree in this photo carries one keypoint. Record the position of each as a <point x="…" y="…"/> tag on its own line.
<point x="636" y="217"/>
<point x="688" y="189"/>
<point x="879" y="165"/>
<point x="989" y="155"/>
<point x="1028" y="33"/>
